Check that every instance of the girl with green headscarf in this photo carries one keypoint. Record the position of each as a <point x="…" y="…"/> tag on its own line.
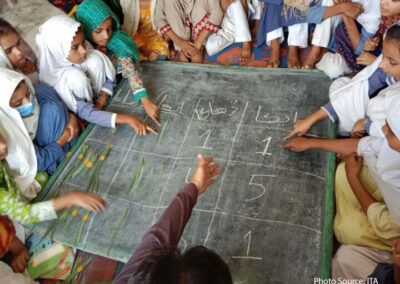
<point x="102" y="28"/>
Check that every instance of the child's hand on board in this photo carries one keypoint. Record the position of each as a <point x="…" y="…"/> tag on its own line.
<point x="3" y="148"/>
<point x="151" y="109"/>
<point x="300" y="128"/>
<point x="85" y="200"/>
<point x="299" y="144"/>
<point x="204" y="173"/>
<point x="353" y="164"/>
<point x="140" y="127"/>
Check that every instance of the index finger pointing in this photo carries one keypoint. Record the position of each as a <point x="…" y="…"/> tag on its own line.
<point x="149" y="128"/>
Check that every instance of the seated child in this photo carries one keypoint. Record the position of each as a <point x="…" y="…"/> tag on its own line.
<point x="69" y="64"/>
<point x="390" y="11"/>
<point x="295" y="15"/>
<point x="235" y="27"/>
<point x="349" y="39"/>
<point x="101" y="27"/>
<point x="140" y="26"/>
<point x="188" y="23"/>
<point x="350" y="98"/>
<point x="367" y="208"/>
<point x="157" y="257"/>
<point x="19" y="115"/>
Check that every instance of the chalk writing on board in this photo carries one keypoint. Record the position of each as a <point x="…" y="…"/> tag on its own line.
<point x="207" y="135"/>
<point x="205" y="113"/>
<point x="268" y="140"/>
<point x="267" y="118"/>
<point x="247" y="256"/>
<point x="259" y="185"/>
<point x="169" y="109"/>
<point x="187" y="175"/>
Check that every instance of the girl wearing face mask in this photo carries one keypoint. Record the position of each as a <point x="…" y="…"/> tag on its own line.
<point x="28" y="132"/>
<point x="46" y="121"/>
<point x="67" y="63"/>
<point x="349" y="98"/>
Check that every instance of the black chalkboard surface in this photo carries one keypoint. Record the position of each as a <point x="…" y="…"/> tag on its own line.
<point x="266" y="214"/>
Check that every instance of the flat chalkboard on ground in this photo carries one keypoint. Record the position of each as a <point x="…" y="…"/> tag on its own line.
<point x="265" y="215"/>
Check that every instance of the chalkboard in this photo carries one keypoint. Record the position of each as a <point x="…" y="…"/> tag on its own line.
<point x="266" y="213"/>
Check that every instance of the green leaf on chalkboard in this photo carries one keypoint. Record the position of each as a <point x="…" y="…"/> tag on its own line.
<point x="138" y="193"/>
<point x="158" y="179"/>
<point x="78" y="234"/>
<point x="121" y="221"/>
<point x="137" y="176"/>
<point x="162" y="132"/>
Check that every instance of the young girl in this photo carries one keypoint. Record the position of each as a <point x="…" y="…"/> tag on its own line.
<point x="69" y="64"/>
<point x="350" y="98"/>
<point x="139" y="25"/>
<point x="101" y="27"/>
<point x="188" y="23"/>
<point x="367" y="208"/>
<point x="21" y="161"/>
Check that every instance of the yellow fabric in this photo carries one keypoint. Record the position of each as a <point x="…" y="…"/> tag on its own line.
<point x="146" y="36"/>
<point x="352" y="225"/>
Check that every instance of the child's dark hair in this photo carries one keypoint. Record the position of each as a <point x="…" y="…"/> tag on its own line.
<point x="393" y="32"/>
<point x="198" y="265"/>
<point x="6" y="28"/>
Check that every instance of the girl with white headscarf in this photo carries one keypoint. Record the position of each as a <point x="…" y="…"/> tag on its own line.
<point x="350" y="98"/>
<point x="43" y="118"/>
<point x="18" y="125"/>
<point x="70" y="64"/>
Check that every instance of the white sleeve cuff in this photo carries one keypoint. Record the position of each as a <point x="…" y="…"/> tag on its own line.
<point x="109" y="92"/>
<point x="44" y="210"/>
<point x="113" y="119"/>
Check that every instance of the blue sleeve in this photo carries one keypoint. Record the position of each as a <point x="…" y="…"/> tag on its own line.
<point x="316" y="14"/>
<point x="364" y="36"/>
<point x="109" y="85"/>
<point x="48" y="157"/>
<point x="331" y="112"/>
<point x="88" y="112"/>
<point x="376" y="82"/>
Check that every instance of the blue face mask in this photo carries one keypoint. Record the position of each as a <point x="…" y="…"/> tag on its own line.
<point x="26" y="109"/>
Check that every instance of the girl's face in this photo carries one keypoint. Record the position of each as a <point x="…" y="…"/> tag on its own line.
<point x="77" y="54"/>
<point x="12" y="46"/>
<point x="392" y="139"/>
<point x="21" y="96"/>
<point x="390" y="7"/>
<point x="390" y="63"/>
<point x="102" y="34"/>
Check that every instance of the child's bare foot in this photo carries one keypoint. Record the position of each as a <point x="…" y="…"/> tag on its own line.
<point x="293" y="57"/>
<point x="245" y="55"/>
<point x="204" y="173"/>
<point x="312" y="57"/>
<point x="275" y="56"/>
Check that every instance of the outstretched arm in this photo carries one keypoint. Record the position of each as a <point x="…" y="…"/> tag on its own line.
<point x="340" y="146"/>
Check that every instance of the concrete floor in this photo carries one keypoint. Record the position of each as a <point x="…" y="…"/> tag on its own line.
<point x="27" y="16"/>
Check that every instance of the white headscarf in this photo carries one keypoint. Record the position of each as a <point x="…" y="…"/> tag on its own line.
<point x="21" y="162"/>
<point x="54" y="41"/>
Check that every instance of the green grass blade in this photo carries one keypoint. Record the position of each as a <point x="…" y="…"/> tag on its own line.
<point x="160" y="136"/>
<point x="121" y="221"/>
<point x="139" y="192"/>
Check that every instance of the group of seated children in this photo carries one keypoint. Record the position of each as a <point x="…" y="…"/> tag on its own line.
<point x="47" y="101"/>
